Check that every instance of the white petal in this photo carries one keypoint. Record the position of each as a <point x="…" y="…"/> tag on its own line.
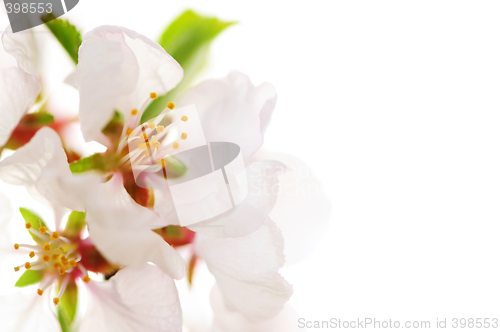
<point x="233" y="110"/>
<point x="302" y="211"/>
<point x="136" y="299"/>
<point x="250" y="214"/>
<point x="229" y="321"/>
<point x="117" y="70"/>
<point x="18" y="91"/>
<point x="27" y="312"/>
<point x="246" y="270"/>
<point x="121" y="230"/>
<point x="22" y="46"/>
<point x="5" y="218"/>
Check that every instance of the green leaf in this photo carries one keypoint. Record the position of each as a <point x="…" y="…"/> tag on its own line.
<point x="35" y="221"/>
<point x="174" y="167"/>
<point x="75" y="225"/>
<point x="65" y="327"/>
<point x="187" y="40"/>
<point x="30" y="277"/>
<point x="114" y="128"/>
<point x="68" y="304"/>
<point x="67" y="35"/>
<point x="97" y="162"/>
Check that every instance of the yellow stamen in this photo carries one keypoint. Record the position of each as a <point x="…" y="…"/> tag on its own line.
<point x="72" y="262"/>
<point x="62" y="271"/>
<point x="57" y="265"/>
<point x="129" y="131"/>
<point x="160" y="129"/>
<point x="56" y="301"/>
<point x="86" y="279"/>
<point x="16" y="246"/>
<point x="55" y="236"/>
<point x="171" y="105"/>
<point x="45" y="258"/>
<point x="64" y="260"/>
<point x="17" y="268"/>
<point x="151" y="125"/>
<point x="28" y="225"/>
<point x="43" y="229"/>
<point x="184" y="118"/>
<point x="134" y="112"/>
<point x="153" y="95"/>
<point x="175" y="145"/>
<point x="184" y="136"/>
<point x="27" y="265"/>
<point x="46" y="247"/>
<point x="55" y="257"/>
<point x="32" y="254"/>
<point x="40" y="292"/>
<point x="144" y="137"/>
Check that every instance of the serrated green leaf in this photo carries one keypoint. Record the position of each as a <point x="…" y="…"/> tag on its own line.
<point x="67" y="35"/>
<point x="35" y="221"/>
<point x="187" y="40"/>
<point x="75" y="225"/>
<point x="30" y="277"/>
<point x="96" y="162"/>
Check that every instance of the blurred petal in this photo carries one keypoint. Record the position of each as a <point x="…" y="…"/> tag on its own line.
<point x="117" y="70"/>
<point x="6" y="215"/>
<point x="250" y="214"/>
<point x="22" y="46"/>
<point x="136" y="299"/>
<point x="27" y="312"/>
<point x="233" y="110"/>
<point x="18" y="91"/>
<point x="229" y="321"/>
<point x="121" y="230"/>
<point x="302" y="211"/>
<point x="246" y="270"/>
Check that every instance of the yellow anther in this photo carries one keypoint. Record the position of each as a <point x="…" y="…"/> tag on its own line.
<point x="62" y="271"/>
<point x="153" y="95"/>
<point x="27" y="265"/>
<point x="147" y="144"/>
<point x="55" y="257"/>
<point x="57" y="265"/>
<point x="28" y="225"/>
<point x="45" y="258"/>
<point x="86" y="279"/>
<point x="184" y="136"/>
<point x="16" y="246"/>
<point x="134" y="112"/>
<point x="72" y="263"/>
<point x="32" y="254"/>
<point x="151" y="125"/>
<point x="40" y="292"/>
<point x="184" y="118"/>
<point x="17" y="268"/>
<point x="55" y="236"/>
<point x="175" y="145"/>
<point x="46" y="247"/>
<point x="56" y="301"/>
<point x="144" y="137"/>
<point x="160" y="129"/>
<point x="43" y="229"/>
<point x="129" y="131"/>
<point x="64" y="260"/>
<point x="171" y="105"/>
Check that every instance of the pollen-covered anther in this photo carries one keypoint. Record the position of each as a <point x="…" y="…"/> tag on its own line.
<point x="64" y="260"/>
<point x="184" y="118"/>
<point x="54" y="236"/>
<point x="86" y="279"/>
<point x="72" y="263"/>
<point x="45" y="258"/>
<point x="27" y="265"/>
<point x="28" y="225"/>
<point x="40" y="292"/>
<point x="46" y="247"/>
<point x="160" y="129"/>
<point x="55" y="257"/>
<point x="134" y="111"/>
<point x="184" y="136"/>
<point x="129" y="131"/>
<point x="171" y="106"/>
<point x="57" y="265"/>
<point x="17" y="268"/>
<point x="56" y="301"/>
<point x="175" y="145"/>
<point x="32" y="254"/>
<point x="144" y="137"/>
<point x="151" y="125"/>
<point x="43" y="229"/>
<point x="153" y="95"/>
<point x="62" y="271"/>
<point x="16" y="246"/>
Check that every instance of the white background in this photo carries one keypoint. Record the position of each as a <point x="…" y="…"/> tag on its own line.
<point x="395" y="106"/>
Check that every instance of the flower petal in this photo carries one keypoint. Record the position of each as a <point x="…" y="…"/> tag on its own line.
<point x="254" y="210"/>
<point x="136" y="299"/>
<point x="22" y="46"/>
<point x="302" y="211"/>
<point x="18" y="91"/>
<point x="27" y="312"/>
<point x="117" y="70"/>
<point x="233" y="110"/>
<point x="246" y="270"/>
<point x="229" y="321"/>
<point x="121" y="230"/>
